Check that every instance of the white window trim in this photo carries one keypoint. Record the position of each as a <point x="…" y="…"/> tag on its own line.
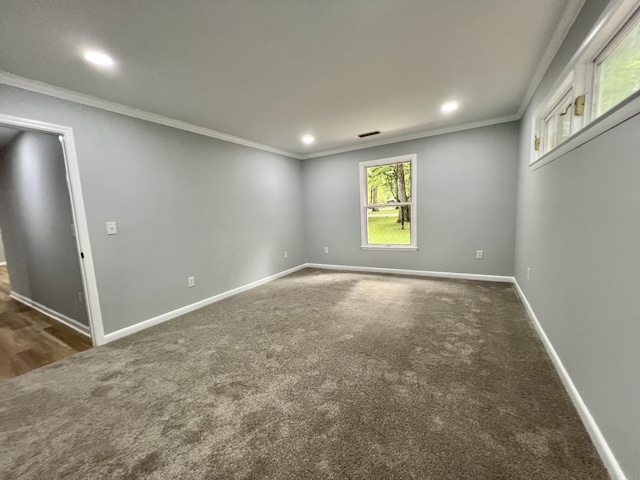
<point x="616" y="39"/>
<point x="413" y="246"/>
<point x="579" y="74"/>
<point x="566" y="94"/>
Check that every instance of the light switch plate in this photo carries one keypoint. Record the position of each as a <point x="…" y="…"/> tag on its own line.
<point x="111" y="228"/>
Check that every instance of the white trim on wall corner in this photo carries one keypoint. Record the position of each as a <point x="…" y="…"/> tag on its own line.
<point x="597" y="438"/>
<point x="110" y="337"/>
<point x="57" y="316"/>
<point x="2" y="264"/>
<point x="418" y="273"/>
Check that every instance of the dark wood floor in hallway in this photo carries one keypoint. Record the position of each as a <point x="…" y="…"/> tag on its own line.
<point x="29" y="339"/>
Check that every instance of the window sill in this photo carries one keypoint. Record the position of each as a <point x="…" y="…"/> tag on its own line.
<point x="390" y="248"/>
<point x="617" y="115"/>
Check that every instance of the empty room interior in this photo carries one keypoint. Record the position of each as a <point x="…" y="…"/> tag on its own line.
<point x="322" y="240"/>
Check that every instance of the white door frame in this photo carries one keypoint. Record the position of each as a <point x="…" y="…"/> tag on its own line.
<point x="79" y="216"/>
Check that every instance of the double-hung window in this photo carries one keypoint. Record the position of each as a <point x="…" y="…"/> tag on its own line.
<point x="388" y="203"/>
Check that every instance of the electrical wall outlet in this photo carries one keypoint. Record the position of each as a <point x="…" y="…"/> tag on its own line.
<point x="480" y="254"/>
<point x="326" y="249"/>
<point x="528" y="273"/>
<point x="191" y="282"/>
<point x="286" y="254"/>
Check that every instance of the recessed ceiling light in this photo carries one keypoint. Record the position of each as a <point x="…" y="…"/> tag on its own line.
<point x="98" y="58"/>
<point x="449" y="107"/>
<point x="308" y="139"/>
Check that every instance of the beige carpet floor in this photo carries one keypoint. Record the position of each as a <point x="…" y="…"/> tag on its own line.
<point x="318" y="375"/>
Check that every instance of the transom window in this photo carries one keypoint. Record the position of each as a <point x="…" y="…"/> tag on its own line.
<point x="557" y="125"/>
<point x="388" y="194"/>
<point x="602" y="75"/>
<point x="618" y="68"/>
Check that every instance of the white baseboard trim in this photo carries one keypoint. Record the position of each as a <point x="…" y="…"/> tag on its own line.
<point x="57" y="316"/>
<point x="110" y="337"/>
<point x="2" y="264"/>
<point x="419" y="273"/>
<point x="597" y="438"/>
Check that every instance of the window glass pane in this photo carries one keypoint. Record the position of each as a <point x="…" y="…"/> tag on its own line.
<point x="557" y="126"/>
<point x="618" y="75"/>
<point x="384" y="225"/>
<point x="389" y="183"/>
<point x="549" y="134"/>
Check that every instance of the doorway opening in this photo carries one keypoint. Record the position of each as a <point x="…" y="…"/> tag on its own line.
<point x="49" y="266"/>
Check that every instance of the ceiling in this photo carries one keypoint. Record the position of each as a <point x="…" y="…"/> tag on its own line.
<point x="271" y="71"/>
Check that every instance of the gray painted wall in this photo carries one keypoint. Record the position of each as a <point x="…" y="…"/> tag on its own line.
<point x="466" y="189"/>
<point x="578" y="231"/>
<point x="36" y="218"/>
<point x="185" y="205"/>
<point x="190" y="205"/>
<point x="2" y="257"/>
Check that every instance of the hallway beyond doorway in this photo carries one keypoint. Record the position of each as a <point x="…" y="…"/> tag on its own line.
<point x="30" y="339"/>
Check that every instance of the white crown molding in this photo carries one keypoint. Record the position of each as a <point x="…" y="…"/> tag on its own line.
<point x="71" y="96"/>
<point x="88" y="100"/>
<point x="414" y="136"/>
<point x="564" y="25"/>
